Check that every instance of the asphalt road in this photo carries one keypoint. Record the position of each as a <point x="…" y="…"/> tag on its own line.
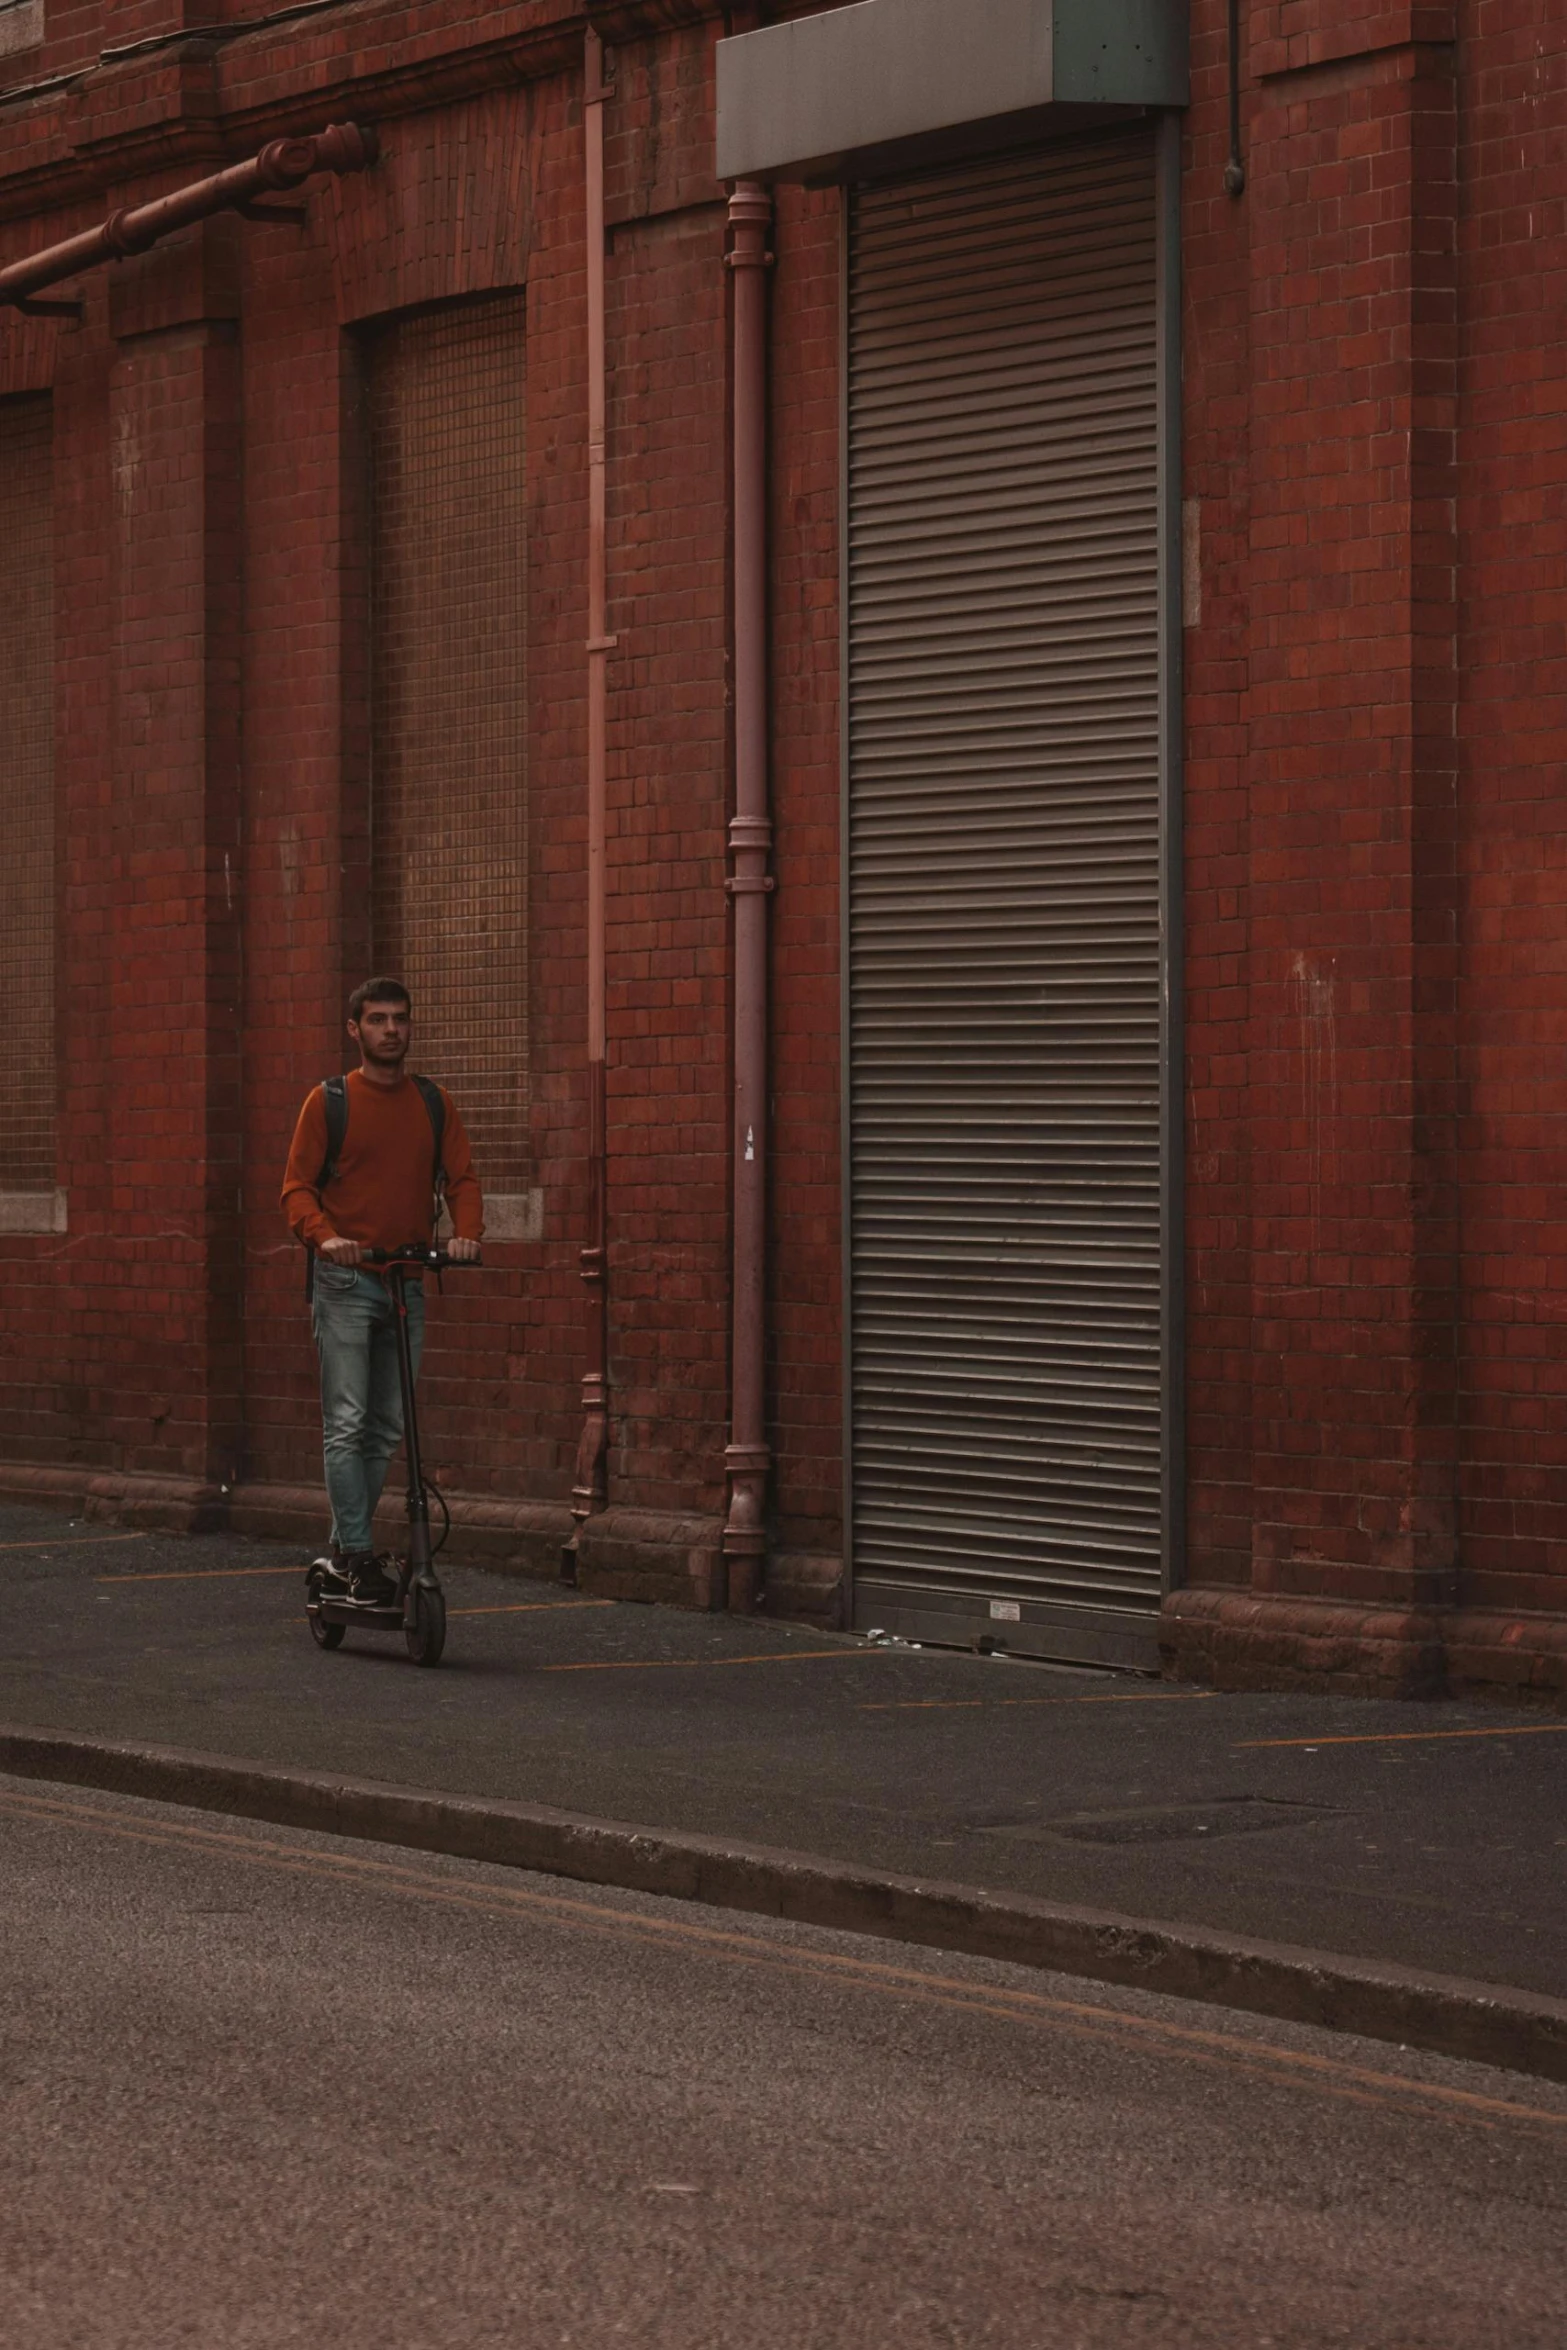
<point x="261" y="2088"/>
<point x="1431" y="1836"/>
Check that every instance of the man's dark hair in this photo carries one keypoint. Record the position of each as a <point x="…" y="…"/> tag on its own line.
<point x="379" y="991"/>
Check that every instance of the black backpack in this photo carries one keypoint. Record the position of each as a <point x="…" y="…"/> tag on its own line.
<point x="334" y="1094"/>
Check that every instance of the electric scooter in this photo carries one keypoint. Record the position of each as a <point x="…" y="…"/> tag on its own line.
<point x="418" y="1610"/>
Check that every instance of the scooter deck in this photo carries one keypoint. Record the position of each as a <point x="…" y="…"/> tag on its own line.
<point x="348" y="1611"/>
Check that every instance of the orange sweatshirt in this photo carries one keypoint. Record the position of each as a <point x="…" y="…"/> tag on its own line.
<point x="381" y="1193"/>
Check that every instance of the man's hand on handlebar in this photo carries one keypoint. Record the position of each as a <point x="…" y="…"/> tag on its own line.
<point x="353" y="1252"/>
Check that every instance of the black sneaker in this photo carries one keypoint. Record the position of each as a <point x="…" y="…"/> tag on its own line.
<point x="369" y="1585"/>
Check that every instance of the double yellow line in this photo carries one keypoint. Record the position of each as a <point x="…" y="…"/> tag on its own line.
<point x="1261" y="2058"/>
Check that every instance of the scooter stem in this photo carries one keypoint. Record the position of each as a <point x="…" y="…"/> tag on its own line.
<point x="419" y="1554"/>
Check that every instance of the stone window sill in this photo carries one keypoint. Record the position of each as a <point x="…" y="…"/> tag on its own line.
<point x="31" y="1211"/>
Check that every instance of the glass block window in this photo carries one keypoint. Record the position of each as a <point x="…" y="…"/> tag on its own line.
<point x="448" y="796"/>
<point x="27" y="933"/>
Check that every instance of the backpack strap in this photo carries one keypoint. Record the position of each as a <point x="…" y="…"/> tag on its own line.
<point x="435" y="1103"/>
<point x="334" y="1096"/>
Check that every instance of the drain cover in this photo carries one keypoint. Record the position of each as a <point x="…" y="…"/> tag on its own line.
<point x="1165" y="1823"/>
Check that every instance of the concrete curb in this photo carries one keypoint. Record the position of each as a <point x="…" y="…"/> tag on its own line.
<point x="1519" y="2031"/>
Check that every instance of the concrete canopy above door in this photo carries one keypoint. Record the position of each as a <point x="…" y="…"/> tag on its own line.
<point x="894" y="82"/>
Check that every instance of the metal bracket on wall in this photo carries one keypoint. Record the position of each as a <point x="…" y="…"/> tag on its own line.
<point x="281" y="215"/>
<point x="283" y="163"/>
<point x="32" y="308"/>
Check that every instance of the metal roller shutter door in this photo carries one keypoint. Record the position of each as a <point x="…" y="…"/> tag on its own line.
<point x="1004" y="943"/>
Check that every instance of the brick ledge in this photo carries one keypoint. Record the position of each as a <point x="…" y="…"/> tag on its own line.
<point x="667" y="1555"/>
<point x="1232" y="1639"/>
<point x="522" y="1537"/>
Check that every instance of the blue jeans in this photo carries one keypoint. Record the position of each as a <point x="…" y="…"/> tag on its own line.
<point x="361" y="1396"/>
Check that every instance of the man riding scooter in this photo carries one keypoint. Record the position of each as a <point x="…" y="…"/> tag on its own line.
<point x="372" y="1154"/>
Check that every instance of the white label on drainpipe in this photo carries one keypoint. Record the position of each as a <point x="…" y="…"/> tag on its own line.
<point x="750" y="1142"/>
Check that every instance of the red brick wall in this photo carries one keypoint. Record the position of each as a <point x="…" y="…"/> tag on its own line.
<point x="1512" y="844"/>
<point x="1374" y="403"/>
<point x="1375" y="420"/>
<point x="478" y="191"/>
<point x="168" y="1299"/>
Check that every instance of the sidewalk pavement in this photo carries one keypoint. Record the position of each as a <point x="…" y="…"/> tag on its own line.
<point x="1418" y="1836"/>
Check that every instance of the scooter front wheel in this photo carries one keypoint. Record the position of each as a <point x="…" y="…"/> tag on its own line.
<point x="426" y="1635"/>
<point x="324" y="1635"/>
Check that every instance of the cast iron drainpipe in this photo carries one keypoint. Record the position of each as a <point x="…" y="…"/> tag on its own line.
<point x="588" y="1490"/>
<point x="1235" y="169"/>
<point x="343" y="146"/>
<point x="748" y="1459"/>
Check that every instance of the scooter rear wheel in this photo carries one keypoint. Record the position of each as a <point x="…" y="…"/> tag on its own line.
<point x="324" y="1635"/>
<point x="426" y="1635"/>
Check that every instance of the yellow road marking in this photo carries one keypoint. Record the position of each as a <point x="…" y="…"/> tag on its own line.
<point x="71" y="1541"/>
<point x="199" y="1575"/>
<point x="654" y="1664"/>
<point x="226" y="1574"/>
<point x="928" y="1705"/>
<point x="531" y="1607"/>
<point x="1403" y="1737"/>
<point x="1293" y="2067"/>
<point x="214" y="1575"/>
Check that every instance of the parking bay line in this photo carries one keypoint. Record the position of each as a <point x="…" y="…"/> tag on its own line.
<point x="532" y="1607"/>
<point x="77" y="1541"/>
<point x="228" y="1574"/>
<point x="198" y="1575"/>
<point x="926" y="1705"/>
<point x="1402" y="1737"/>
<point x="655" y="1664"/>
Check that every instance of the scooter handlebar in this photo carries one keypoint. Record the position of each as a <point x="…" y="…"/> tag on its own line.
<point x="422" y="1257"/>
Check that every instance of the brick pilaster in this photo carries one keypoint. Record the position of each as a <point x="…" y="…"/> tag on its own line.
<point x="174" y="1012"/>
<point x="1351" y="699"/>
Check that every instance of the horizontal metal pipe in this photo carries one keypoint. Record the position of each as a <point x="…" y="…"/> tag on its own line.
<point x="284" y="163"/>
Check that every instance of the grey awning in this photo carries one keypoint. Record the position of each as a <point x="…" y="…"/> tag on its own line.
<point x="890" y="78"/>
